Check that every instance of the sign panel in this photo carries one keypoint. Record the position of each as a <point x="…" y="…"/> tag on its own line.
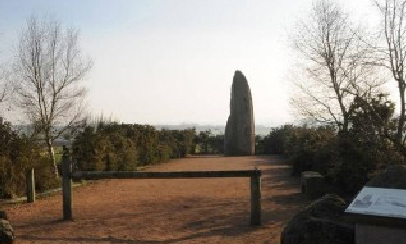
<point x="379" y="202"/>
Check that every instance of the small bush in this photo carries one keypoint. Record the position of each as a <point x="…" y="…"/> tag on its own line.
<point x="45" y="179"/>
<point x="307" y="148"/>
<point x="18" y="154"/>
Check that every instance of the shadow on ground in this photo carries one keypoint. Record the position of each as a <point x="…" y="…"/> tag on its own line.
<point x="201" y="217"/>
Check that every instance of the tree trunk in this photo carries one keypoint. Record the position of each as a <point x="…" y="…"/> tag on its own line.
<point x="345" y="122"/>
<point x="51" y="154"/>
<point x="399" y="136"/>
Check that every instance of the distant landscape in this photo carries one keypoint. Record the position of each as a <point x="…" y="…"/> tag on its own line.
<point x="260" y="130"/>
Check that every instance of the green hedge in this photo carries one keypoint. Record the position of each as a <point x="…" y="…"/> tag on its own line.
<point x="125" y="147"/>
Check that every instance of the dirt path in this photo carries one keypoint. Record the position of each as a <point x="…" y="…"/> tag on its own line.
<point x="212" y="210"/>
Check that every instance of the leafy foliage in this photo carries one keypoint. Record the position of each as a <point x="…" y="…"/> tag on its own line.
<point x="18" y="154"/>
<point x="346" y="158"/>
<point x="206" y="143"/>
<point x="368" y="146"/>
<point x="309" y="148"/>
<point x="125" y="147"/>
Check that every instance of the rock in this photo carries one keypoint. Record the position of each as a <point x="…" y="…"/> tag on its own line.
<point x="6" y="231"/>
<point x="319" y="223"/>
<point x="393" y="177"/>
<point x="313" y="184"/>
<point x="239" y="136"/>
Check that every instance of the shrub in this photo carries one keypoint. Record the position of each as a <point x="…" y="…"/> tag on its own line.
<point x="18" y="154"/>
<point x="45" y="176"/>
<point x="308" y="148"/>
<point x="124" y="147"/>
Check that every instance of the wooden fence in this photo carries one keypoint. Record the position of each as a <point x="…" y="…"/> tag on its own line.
<point x="68" y="176"/>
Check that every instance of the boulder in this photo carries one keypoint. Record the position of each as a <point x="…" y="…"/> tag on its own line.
<point x="6" y="231"/>
<point x="319" y="223"/>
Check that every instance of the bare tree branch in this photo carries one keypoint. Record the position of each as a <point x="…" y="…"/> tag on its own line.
<point x="49" y="72"/>
<point x="334" y="63"/>
<point x="394" y="29"/>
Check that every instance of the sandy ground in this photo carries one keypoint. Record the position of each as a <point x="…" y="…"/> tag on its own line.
<point x="215" y="210"/>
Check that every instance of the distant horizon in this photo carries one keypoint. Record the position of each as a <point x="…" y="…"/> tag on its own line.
<point x="215" y="129"/>
<point x="181" y="124"/>
<point x="219" y="124"/>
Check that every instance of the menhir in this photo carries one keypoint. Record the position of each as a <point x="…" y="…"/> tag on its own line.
<point x="239" y="138"/>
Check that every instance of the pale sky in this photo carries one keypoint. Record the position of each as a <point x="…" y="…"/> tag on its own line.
<point x="172" y="61"/>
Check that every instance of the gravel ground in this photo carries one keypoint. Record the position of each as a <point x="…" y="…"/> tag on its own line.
<point x="214" y="210"/>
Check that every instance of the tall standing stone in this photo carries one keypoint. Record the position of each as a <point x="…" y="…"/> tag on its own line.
<point x="239" y="138"/>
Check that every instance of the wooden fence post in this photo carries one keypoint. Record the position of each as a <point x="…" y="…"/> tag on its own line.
<point x="256" y="198"/>
<point x="30" y="180"/>
<point x="66" y="185"/>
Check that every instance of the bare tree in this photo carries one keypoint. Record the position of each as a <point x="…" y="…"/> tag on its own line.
<point x="6" y="92"/>
<point x="49" y="71"/>
<point x="6" y="89"/>
<point x="394" y="34"/>
<point x="332" y="69"/>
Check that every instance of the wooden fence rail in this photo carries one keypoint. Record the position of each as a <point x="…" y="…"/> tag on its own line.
<point x="98" y="175"/>
<point x="68" y="176"/>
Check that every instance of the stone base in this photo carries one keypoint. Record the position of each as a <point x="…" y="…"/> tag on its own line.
<point x="312" y="184"/>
